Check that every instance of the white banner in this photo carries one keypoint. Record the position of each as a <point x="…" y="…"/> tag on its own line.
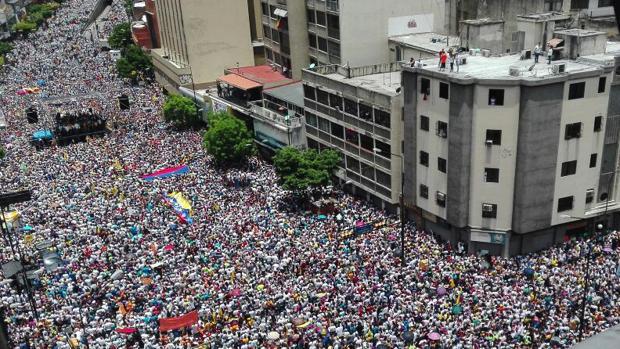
<point x="410" y="24"/>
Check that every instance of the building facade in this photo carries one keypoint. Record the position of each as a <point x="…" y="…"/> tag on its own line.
<point x="509" y="156"/>
<point x="358" y="112"/>
<point x="199" y="40"/>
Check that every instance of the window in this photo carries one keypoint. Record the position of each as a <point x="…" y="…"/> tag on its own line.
<point x="264" y="8"/>
<point x="440" y="198"/>
<point x="491" y="175"/>
<point x="496" y="97"/>
<point x="322" y="44"/>
<point x="312" y="144"/>
<point x="494" y="137"/>
<point x="423" y="158"/>
<point x="601" y="84"/>
<point x="309" y="92"/>
<point x="350" y="107"/>
<point x="589" y="196"/>
<point x="365" y="111"/>
<point x="423" y="191"/>
<point x="442" y="165"/>
<point x="335" y="101"/>
<point x="385" y="149"/>
<point x="576" y="90"/>
<point x="605" y="3"/>
<point x="442" y="129"/>
<point x="312" y="40"/>
<point x="444" y="90"/>
<point x="311" y="119"/>
<point x="269" y="54"/>
<point x="352" y="136"/>
<point x="578" y="4"/>
<point x="569" y="168"/>
<point x="337" y="130"/>
<point x="267" y="31"/>
<point x="424" y="123"/>
<point x="572" y="131"/>
<point x="353" y="164"/>
<point x="366" y="142"/>
<point x="598" y="123"/>
<point x="489" y="210"/>
<point x="382" y="118"/>
<point x="323" y="124"/>
<point x="320" y="18"/>
<point x="593" y="158"/>
<point x="368" y="171"/>
<point x="425" y="87"/>
<point x="565" y="204"/>
<point x="322" y="97"/>
<point x="384" y="179"/>
<point x="311" y="17"/>
<point x="275" y="35"/>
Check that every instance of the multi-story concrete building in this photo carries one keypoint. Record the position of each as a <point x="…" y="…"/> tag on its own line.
<point x="285" y="35"/>
<point x="511" y="156"/>
<point x="199" y="40"/>
<point x="358" y="112"/>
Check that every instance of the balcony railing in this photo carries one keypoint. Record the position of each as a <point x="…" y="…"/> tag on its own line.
<point x="258" y="110"/>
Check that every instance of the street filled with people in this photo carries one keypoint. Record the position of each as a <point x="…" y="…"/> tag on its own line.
<point x="257" y="268"/>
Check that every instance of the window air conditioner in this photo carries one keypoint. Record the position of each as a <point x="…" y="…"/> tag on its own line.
<point x="487" y="208"/>
<point x="441" y="196"/>
<point x="488" y="143"/>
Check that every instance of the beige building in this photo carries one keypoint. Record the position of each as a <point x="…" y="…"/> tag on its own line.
<point x="200" y="39"/>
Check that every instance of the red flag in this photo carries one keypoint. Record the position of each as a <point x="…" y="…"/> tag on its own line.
<point x="173" y="323"/>
<point x="126" y="330"/>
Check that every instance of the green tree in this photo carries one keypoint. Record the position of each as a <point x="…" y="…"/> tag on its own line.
<point x="5" y="48"/>
<point x="133" y="62"/>
<point x="24" y="26"/>
<point x="120" y="37"/>
<point x="228" y="139"/>
<point x="2" y="153"/>
<point x="181" y="110"/>
<point x="302" y="170"/>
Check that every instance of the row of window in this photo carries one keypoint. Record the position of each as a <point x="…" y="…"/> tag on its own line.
<point x="567" y="203"/>
<point x="491" y="175"/>
<point x="323" y="19"/>
<point x="574" y="130"/>
<point x="488" y="210"/>
<point x="425" y="88"/>
<point x="328" y="46"/>
<point x="351" y="136"/>
<point x="359" y="109"/>
<point x="493" y="137"/>
<point x="570" y="167"/>
<point x="578" y="89"/>
<point x="369" y="172"/>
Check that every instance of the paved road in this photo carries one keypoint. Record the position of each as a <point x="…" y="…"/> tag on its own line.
<point x="609" y="339"/>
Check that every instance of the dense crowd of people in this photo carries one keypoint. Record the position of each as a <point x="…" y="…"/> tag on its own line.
<point x="260" y="271"/>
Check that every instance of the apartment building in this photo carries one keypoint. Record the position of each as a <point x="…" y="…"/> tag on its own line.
<point x="358" y="112"/>
<point x="511" y="156"/>
<point x="199" y="40"/>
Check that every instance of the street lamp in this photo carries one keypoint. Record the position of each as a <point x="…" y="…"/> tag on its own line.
<point x="401" y="205"/>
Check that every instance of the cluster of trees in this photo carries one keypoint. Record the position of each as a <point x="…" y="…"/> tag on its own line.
<point x="5" y="48"/>
<point x="181" y="111"/>
<point x="228" y="139"/>
<point x="301" y="170"/>
<point x="134" y="62"/>
<point x="36" y="14"/>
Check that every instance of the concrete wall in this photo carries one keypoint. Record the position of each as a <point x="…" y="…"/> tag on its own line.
<point x="460" y="145"/>
<point x="539" y="129"/>
<point x="407" y="52"/>
<point x="214" y="46"/>
<point x="502" y="157"/>
<point x="410" y="92"/>
<point x="298" y="37"/>
<point x="483" y="37"/>
<point x="368" y="19"/>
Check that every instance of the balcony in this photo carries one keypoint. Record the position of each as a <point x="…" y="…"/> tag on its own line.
<point x="273" y="117"/>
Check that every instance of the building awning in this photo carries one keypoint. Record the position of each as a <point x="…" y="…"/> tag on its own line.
<point x="239" y="82"/>
<point x="554" y="42"/>
<point x="280" y="12"/>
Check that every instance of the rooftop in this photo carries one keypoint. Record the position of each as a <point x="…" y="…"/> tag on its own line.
<point x="499" y="67"/>
<point x="262" y="74"/>
<point x="482" y="21"/>
<point x="578" y="32"/>
<point x="547" y="16"/>
<point x="383" y="83"/>
<point x="424" y="41"/>
<point x="292" y="93"/>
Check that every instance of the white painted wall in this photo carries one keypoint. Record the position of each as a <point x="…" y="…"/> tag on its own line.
<point x="436" y="109"/>
<point x="504" y="157"/>
<point x="364" y="26"/>
<point x="580" y="110"/>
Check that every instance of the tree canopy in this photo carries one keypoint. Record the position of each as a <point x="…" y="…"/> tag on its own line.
<point x="181" y="110"/>
<point x="133" y="62"/>
<point x="120" y="38"/>
<point x="228" y="139"/>
<point x="5" y="48"/>
<point x="2" y="153"/>
<point x="300" y="170"/>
